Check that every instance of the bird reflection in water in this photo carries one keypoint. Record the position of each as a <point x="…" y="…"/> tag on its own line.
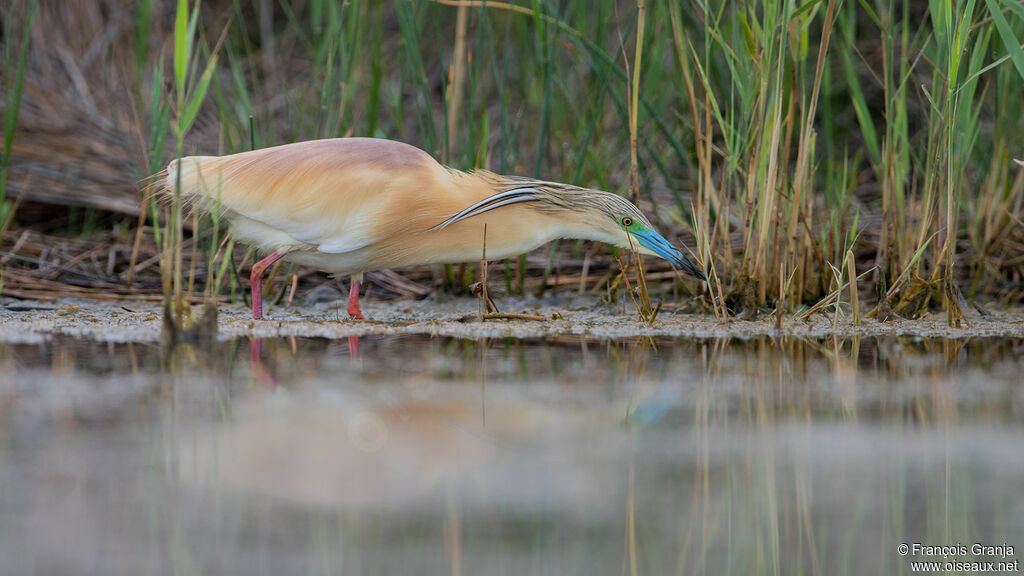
<point x="261" y="373"/>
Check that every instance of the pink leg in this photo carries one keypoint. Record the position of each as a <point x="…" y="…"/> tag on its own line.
<point x="353" y="346"/>
<point x="353" y="300"/>
<point x="256" y="282"/>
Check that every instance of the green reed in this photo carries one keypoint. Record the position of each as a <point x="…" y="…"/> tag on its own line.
<point x="782" y="136"/>
<point x="14" y="58"/>
<point x="189" y="91"/>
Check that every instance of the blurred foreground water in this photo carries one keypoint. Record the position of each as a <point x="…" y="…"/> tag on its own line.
<point x="418" y="455"/>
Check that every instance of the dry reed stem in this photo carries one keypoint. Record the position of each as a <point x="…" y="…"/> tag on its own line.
<point x="634" y="101"/>
<point x="457" y="78"/>
<point x="851" y="268"/>
<point x="484" y="305"/>
<point x="806" y="132"/>
<point x="629" y="289"/>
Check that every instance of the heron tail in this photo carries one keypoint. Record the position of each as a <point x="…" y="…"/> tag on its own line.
<point x="186" y="174"/>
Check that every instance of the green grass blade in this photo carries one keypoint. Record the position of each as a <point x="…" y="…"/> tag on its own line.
<point x="195" y="98"/>
<point x="181" y="47"/>
<point x="1010" y="40"/>
<point x="14" y="104"/>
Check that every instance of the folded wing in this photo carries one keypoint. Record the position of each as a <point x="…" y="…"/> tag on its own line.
<point x="323" y="195"/>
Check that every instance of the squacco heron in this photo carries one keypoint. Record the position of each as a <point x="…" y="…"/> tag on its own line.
<point x="351" y="205"/>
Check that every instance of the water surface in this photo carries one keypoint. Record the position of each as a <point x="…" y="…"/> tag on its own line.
<point x="417" y="455"/>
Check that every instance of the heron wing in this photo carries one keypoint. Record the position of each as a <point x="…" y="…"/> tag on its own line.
<point x="327" y="194"/>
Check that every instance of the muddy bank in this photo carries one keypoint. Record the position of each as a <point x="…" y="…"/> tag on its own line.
<point x="27" y="321"/>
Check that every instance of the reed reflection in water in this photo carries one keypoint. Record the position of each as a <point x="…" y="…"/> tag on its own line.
<point x="564" y="455"/>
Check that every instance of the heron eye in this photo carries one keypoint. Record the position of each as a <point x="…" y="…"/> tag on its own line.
<point x="627" y="221"/>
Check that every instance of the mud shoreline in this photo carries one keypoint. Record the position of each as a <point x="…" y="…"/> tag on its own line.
<point x="33" y="321"/>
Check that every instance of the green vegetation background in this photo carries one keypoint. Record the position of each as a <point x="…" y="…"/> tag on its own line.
<point x="790" y="146"/>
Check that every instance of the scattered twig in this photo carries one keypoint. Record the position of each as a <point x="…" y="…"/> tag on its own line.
<point x="503" y="316"/>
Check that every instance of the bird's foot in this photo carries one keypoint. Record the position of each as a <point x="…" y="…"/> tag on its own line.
<point x="355" y="313"/>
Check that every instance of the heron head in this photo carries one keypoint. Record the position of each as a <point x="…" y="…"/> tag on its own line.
<point x="613" y="219"/>
<point x="578" y="213"/>
<point x="629" y="228"/>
